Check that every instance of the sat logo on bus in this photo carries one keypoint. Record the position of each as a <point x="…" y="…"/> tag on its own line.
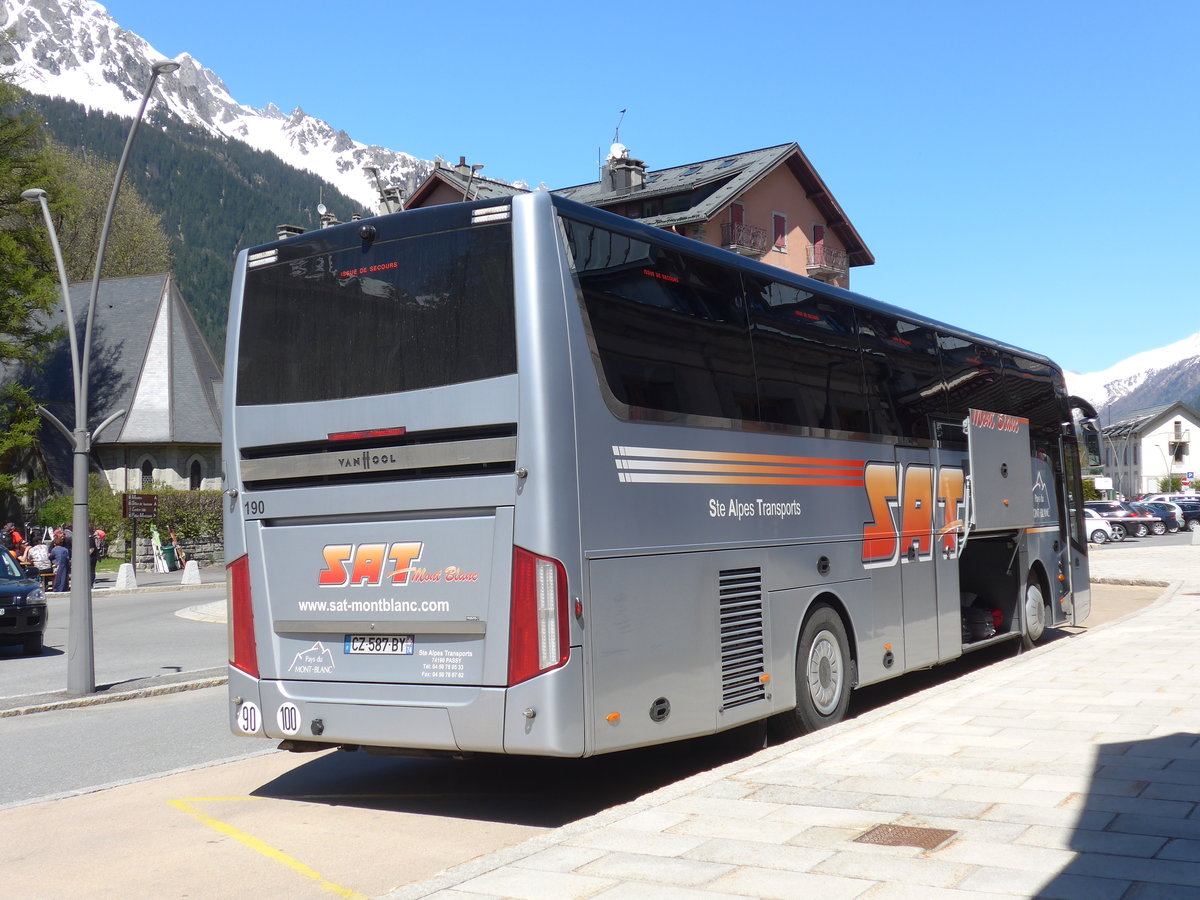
<point x="367" y="564"/>
<point x="903" y="501"/>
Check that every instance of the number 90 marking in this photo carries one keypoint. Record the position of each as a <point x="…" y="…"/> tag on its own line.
<point x="248" y="719"/>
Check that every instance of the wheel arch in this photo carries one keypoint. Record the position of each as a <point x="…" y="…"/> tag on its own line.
<point x="833" y="601"/>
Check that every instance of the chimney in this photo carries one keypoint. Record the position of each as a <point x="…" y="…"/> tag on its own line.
<point x="462" y="168"/>
<point x="287" y="231"/>
<point x="621" y="172"/>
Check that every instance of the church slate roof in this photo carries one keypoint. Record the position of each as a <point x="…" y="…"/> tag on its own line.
<point x="148" y="358"/>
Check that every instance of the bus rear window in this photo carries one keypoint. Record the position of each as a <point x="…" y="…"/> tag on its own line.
<point x="401" y="315"/>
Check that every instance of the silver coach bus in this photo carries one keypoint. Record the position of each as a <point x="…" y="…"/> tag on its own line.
<point x="527" y="477"/>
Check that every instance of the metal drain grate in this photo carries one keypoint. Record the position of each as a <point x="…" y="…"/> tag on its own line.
<point x="906" y="836"/>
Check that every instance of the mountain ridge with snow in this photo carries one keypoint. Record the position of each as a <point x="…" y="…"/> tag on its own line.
<point x="76" y="50"/>
<point x="1150" y="378"/>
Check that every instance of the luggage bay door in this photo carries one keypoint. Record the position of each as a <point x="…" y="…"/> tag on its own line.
<point x="1001" y="471"/>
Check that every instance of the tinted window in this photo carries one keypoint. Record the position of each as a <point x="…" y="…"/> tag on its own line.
<point x="973" y="376"/>
<point x="399" y="315"/>
<point x="669" y="329"/>
<point x="903" y="375"/>
<point x="806" y="357"/>
<point x="1029" y="385"/>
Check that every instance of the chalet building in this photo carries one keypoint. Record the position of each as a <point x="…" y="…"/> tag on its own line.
<point x="150" y="360"/>
<point x="1147" y="446"/>
<point x="768" y="204"/>
<point x="454" y="184"/>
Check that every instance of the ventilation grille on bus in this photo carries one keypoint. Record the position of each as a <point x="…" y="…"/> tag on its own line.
<point x="449" y="453"/>
<point x="742" y="637"/>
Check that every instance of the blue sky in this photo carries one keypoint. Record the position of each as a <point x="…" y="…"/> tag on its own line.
<point x="1027" y="170"/>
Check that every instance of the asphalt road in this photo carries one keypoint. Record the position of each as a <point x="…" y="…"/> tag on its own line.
<point x="136" y="636"/>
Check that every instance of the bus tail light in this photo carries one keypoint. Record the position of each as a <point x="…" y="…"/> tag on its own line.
<point x="243" y="654"/>
<point x="537" y="639"/>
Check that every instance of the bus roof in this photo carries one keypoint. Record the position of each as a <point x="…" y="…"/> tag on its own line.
<point x="716" y="255"/>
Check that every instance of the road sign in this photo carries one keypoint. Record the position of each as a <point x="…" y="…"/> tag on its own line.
<point x="139" y="506"/>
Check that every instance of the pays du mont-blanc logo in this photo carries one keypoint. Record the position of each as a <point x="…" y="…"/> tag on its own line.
<point x="316" y="660"/>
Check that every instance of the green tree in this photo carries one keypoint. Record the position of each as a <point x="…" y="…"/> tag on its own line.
<point x="1170" y="484"/>
<point x="27" y="282"/>
<point x="137" y="244"/>
<point x="104" y="508"/>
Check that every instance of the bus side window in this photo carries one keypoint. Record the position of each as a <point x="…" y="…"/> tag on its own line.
<point x="669" y="329"/>
<point x="806" y="358"/>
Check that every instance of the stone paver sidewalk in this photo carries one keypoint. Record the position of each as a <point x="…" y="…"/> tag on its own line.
<point x="1071" y="771"/>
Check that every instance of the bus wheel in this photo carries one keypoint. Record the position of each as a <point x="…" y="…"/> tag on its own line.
<point x="822" y="671"/>
<point x="1036" y="610"/>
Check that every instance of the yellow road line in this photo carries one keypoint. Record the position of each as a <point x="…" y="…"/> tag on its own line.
<point x="260" y="846"/>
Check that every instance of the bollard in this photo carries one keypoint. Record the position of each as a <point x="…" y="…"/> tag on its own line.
<point x="191" y="572"/>
<point x="1196" y="537"/>
<point x="126" y="578"/>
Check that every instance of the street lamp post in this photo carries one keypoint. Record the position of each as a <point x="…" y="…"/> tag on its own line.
<point x="81" y="669"/>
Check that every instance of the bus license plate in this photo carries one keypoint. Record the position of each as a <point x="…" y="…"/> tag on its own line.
<point x="380" y="644"/>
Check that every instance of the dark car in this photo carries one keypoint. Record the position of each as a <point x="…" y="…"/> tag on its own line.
<point x="1161" y="520"/>
<point x="1169" y="511"/>
<point x="1123" y="516"/>
<point x="22" y="607"/>
<point x="1191" y="514"/>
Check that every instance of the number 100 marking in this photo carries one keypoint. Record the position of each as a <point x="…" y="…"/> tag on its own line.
<point x="287" y="717"/>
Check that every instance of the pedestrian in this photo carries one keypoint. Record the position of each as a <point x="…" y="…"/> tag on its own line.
<point x="38" y="559"/>
<point x="179" y="558"/>
<point x="11" y="536"/>
<point x="93" y="546"/>
<point x="60" y="556"/>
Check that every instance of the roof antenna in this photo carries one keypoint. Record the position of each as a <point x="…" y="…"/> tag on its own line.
<point x="617" y="130"/>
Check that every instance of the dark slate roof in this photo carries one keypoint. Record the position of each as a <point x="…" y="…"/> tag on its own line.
<point x="481" y="188"/>
<point x="728" y="177"/>
<point x="148" y="358"/>
<point x="1142" y="419"/>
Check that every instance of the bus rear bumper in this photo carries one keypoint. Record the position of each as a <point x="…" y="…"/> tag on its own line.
<point x="439" y="718"/>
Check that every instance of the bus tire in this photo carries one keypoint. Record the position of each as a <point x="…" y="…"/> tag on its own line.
<point x="1035" y="611"/>
<point x="823" y="671"/>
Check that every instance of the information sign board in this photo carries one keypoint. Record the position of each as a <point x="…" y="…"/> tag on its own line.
<point x="139" y="506"/>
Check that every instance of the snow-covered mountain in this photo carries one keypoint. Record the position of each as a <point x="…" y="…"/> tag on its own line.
<point x="74" y="49"/>
<point x="1147" y="379"/>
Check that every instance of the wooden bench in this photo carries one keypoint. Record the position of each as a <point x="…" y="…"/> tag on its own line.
<point x="47" y="579"/>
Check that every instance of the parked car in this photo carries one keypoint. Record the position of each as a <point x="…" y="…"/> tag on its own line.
<point x="22" y="607"/>
<point x="1099" y="529"/>
<point x="1170" y="512"/>
<point x="1174" y="498"/>
<point x="1158" y="519"/>
<point x="1191" y="514"/>
<point x="1122" y="515"/>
